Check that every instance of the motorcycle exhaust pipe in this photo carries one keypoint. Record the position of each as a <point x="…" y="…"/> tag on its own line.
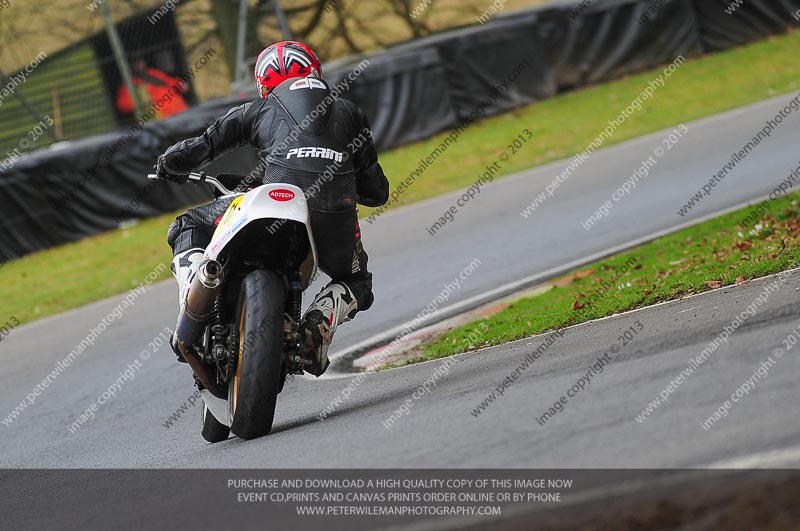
<point x="200" y="302"/>
<point x="193" y="319"/>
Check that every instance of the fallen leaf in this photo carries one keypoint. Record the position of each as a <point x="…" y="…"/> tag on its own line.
<point x="566" y="281"/>
<point x="714" y="284"/>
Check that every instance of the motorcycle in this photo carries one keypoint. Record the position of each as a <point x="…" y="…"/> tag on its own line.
<point x="238" y="330"/>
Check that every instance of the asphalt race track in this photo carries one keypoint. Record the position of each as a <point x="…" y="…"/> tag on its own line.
<point x="596" y="429"/>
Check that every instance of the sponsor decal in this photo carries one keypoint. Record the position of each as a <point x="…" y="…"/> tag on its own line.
<point x="317" y="153"/>
<point x="281" y="195"/>
<point x="225" y="238"/>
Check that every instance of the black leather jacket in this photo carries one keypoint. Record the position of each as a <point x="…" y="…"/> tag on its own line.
<point x="306" y="137"/>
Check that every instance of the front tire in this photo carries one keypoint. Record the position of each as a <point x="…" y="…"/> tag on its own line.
<point x="254" y="390"/>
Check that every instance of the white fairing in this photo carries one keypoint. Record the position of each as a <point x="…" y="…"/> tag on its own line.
<point x="270" y="201"/>
<point x="217" y="407"/>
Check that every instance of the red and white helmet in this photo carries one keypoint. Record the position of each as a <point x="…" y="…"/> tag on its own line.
<point x="282" y="61"/>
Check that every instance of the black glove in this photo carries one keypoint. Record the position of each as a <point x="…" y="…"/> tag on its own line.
<point x="163" y="173"/>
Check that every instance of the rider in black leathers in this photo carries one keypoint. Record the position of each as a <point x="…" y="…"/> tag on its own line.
<point x="308" y="138"/>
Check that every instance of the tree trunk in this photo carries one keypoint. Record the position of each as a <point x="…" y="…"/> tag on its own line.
<point x="226" y="15"/>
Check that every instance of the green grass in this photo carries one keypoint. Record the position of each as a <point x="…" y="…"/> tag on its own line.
<point x="75" y="274"/>
<point x="713" y="254"/>
<point x="58" y="279"/>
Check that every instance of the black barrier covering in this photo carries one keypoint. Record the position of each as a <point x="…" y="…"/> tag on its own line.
<point x="614" y="38"/>
<point x="80" y="188"/>
<point x="493" y="68"/>
<point x="400" y="94"/>
<point x="410" y="92"/>
<point x="350" y="500"/>
<point x="415" y="90"/>
<point x="752" y="20"/>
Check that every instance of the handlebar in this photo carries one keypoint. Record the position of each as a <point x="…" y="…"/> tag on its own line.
<point x="200" y="178"/>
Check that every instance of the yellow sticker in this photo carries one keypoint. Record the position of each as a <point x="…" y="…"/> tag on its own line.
<point x="229" y="216"/>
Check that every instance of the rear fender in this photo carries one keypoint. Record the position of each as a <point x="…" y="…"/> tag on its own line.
<point x="270" y="201"/>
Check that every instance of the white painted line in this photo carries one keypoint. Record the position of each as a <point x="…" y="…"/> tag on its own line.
<point x="770" y="459"/>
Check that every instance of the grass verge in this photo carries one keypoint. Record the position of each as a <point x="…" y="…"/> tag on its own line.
<point x="66" y="277"/>
<point x="78" y="273"/>
<point x="716" y="253"/>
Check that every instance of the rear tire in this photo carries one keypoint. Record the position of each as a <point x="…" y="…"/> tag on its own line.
<point x="254" y="390"/>
<point x="213" y="430"/>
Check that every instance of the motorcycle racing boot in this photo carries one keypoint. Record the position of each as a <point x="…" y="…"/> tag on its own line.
<point x="184" y="267"/>
<point x="334" y="305"/>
